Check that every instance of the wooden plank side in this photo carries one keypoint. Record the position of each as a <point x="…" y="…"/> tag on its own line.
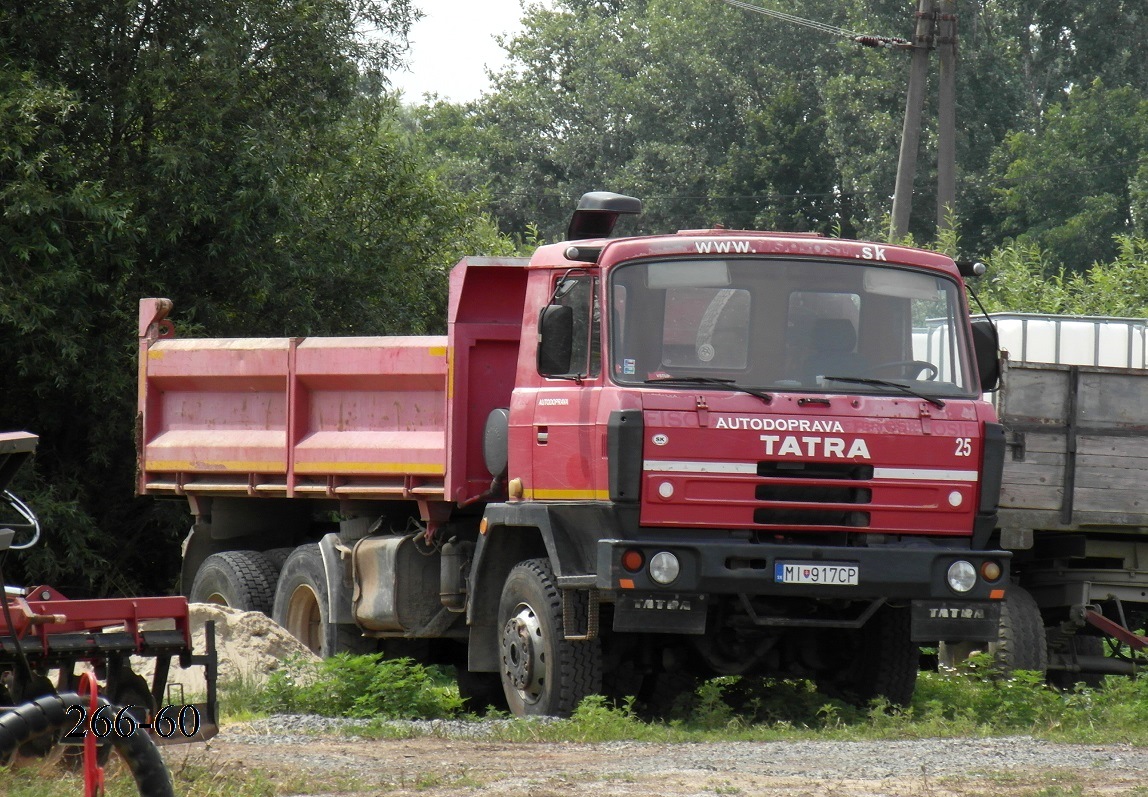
<point x="1122" y="451"/>
<point x="1025" y="473"/>
<point x="1113" y="500"/>
<point x="1111" y="478"/>
<point x="1113" y="399"/>
<point x="1053" y="458"/>
<point x="1033" y="395"/>
<point x="1032" y="496"/>
<point x="1044" y="442"/>
<point x="1110" y="470"/>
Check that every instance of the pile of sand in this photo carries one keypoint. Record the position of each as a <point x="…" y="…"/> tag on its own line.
<point x="250" y="647"/>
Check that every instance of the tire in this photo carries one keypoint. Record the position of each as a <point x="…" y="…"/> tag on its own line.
<point x="301" y="606"/>
<point x="1022" y="644"/>
<point x="243" y="580"/>
<point x="48" y="716"/>
<point x="278" y="556"/>
<point x="882" y="662"/>
<point x="542" y="672"/>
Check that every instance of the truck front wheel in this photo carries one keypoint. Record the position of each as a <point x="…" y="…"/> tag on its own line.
<point x="1021" y="642"/>
<point x="543" y="673"/>
<point x="879" y="661"/>
<point x="243" y="580"/>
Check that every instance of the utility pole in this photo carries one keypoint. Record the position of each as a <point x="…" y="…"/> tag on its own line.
<point x="947" y="115"/>
<point x="936" y="24"/>
<point x="911" y="130"/>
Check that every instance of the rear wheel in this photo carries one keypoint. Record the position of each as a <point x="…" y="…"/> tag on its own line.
<point x="243" y="580"/>
<point x="543" y="673"/>
<point x="278" y="556"/>
<point x="302" y="607"/>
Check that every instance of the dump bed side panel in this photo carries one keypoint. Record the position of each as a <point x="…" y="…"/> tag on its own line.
<point x="349" y="417"/>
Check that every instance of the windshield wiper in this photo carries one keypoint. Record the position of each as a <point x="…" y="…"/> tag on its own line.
<point x="936" y="402"/>
<point x="711" y="381"/>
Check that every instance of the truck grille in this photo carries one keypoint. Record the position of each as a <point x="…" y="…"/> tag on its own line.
<point x="812" y="491"/>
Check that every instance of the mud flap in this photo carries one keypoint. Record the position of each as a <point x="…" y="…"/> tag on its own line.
<point x="955" y="621"/>
<point x="662" y="612"/>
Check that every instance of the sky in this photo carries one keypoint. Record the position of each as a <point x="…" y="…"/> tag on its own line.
<point x="452" y="45"/>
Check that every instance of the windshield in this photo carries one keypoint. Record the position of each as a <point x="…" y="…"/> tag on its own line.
<point x="789" y="324"/>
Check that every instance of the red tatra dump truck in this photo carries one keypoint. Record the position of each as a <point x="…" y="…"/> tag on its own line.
<point x="630" y="462"/>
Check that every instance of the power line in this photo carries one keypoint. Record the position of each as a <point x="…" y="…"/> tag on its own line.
<point x="868" y="40"/>
<point x="698" y="197"/>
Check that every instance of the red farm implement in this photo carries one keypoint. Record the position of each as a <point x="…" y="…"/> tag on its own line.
<point x="66" y="675"/>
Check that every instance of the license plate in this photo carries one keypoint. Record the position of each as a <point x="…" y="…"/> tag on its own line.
<point x="843" y="575"/>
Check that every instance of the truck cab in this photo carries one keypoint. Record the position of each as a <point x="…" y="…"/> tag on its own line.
<point x="766" y="451"/>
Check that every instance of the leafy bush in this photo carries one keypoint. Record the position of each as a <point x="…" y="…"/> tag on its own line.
<point x="359" y="686"/>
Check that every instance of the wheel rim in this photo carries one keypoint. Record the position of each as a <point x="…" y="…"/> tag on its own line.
<point x="216" y="599"/>
<point x="523" y="654"/>
<point x="304" y="619"/>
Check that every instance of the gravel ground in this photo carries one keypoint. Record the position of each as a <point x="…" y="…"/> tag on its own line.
<point x="304" y="756"/>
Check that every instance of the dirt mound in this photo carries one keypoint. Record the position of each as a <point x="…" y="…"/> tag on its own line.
<point x="250" y="646"/>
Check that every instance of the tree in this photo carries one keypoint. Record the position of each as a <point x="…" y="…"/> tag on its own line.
<point x="238" y="156"/>
<point x="714" y="114"/>
<point x="674" y="101"/>
<point x="1069" y="188"/>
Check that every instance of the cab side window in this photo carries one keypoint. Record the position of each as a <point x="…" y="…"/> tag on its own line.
<point x="580" y="294"/>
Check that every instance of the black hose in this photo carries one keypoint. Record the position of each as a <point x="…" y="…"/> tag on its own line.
<point x="50" y="715"/>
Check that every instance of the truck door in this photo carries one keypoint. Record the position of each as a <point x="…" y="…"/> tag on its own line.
<point x="567" y="449"/>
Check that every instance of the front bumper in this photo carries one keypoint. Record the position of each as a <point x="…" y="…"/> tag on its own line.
<point x="743" y="568"/>
<point x="912" y="574"/>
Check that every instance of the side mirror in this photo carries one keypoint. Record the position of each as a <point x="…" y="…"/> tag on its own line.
<point x="987" y="348"/>
<point x="555" y="340"/>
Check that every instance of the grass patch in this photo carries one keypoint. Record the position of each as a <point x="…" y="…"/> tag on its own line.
<point x="39" y="779"/>
<point x="972" y="701"/>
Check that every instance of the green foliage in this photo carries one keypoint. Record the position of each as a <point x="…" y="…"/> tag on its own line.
<point x="978" y="696"/>
<point x="714" y="114"/>
<point x="596" y="720"/>
<point x="1067" y="187"/>
<point x="673" y="101"/>
<point x="240" y="157"/>
<point x="1024" y="278"/>
<point x="359" y="686"/>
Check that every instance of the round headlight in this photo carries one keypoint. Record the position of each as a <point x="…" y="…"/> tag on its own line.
<point x="962" y="576"/>
<point x="664" y="567"/>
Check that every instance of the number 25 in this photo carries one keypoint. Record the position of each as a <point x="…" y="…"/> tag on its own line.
<point x="964" y="447"/>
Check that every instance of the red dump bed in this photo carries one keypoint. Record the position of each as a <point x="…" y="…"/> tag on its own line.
<point x="285" y="416"/>
<point x="347" y="417"/>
